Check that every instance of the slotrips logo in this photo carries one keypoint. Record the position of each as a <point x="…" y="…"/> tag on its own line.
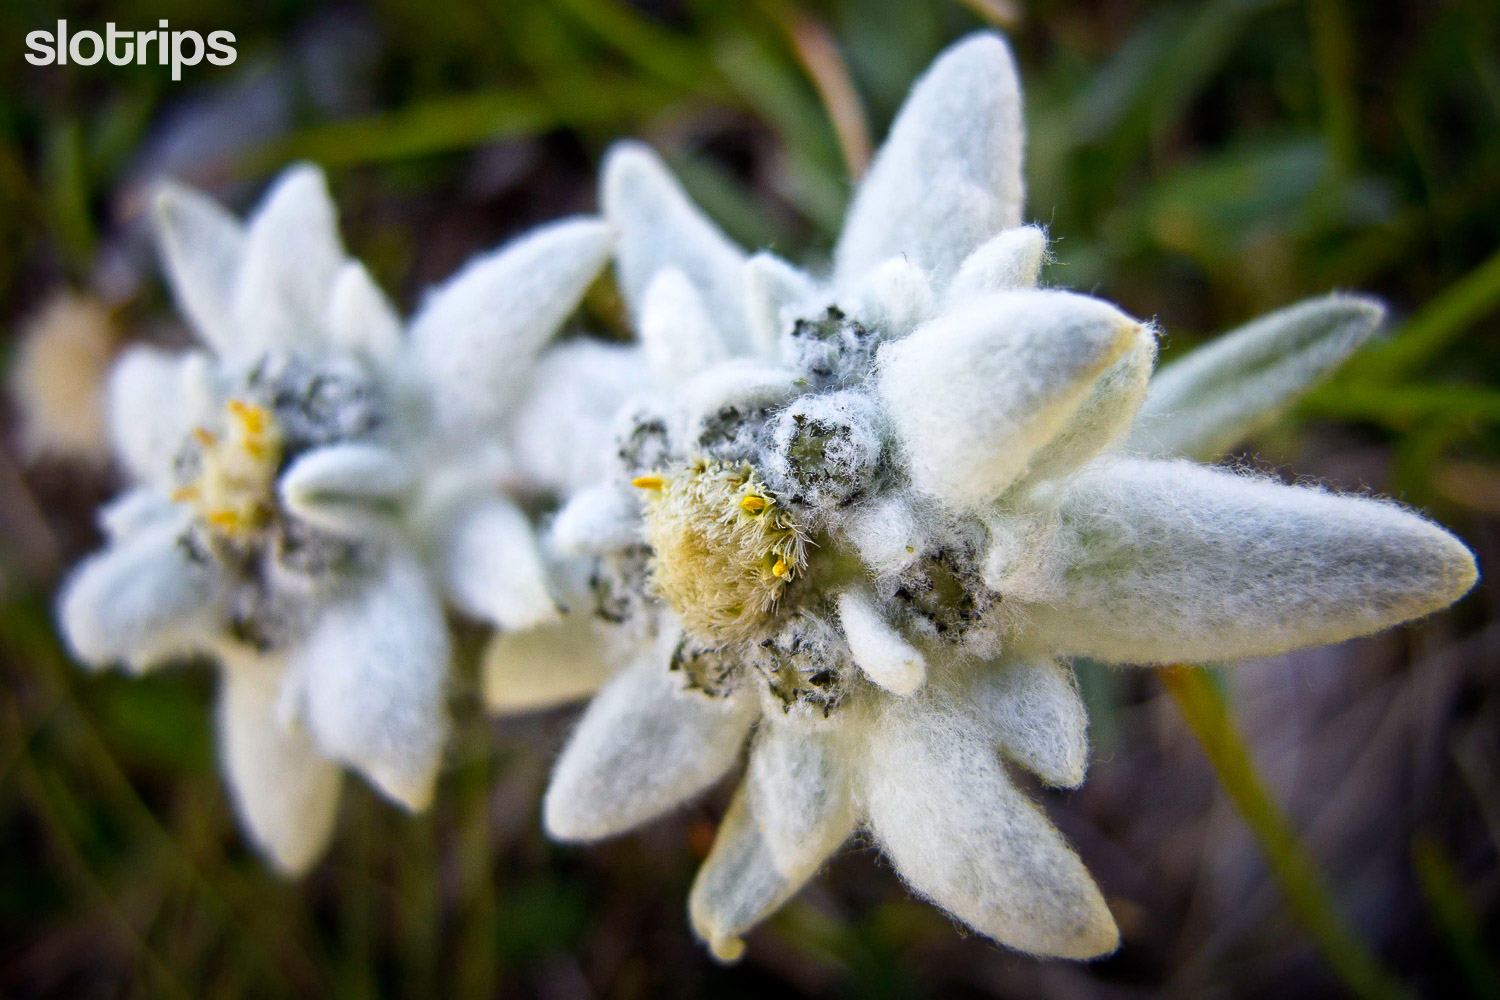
<point x="122" y="48"/>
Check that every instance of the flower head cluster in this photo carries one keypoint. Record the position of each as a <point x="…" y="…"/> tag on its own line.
<point x="312" y="486"/>
<point x="863" y="522"/>
<point x="859" y="521"/>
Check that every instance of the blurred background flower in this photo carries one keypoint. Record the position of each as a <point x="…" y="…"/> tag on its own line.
<point x="1196" y="162"/>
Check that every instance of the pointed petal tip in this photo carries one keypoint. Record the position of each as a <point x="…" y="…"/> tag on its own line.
<point x="413" y="792"/>
<point x="565" y="822"/>
<point x="628" y="162"/>
<point x="1459" y="569"/>
<point x="1098" y="938"/>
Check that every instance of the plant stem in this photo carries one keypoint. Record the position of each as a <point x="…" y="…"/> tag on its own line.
<point x="1295" y="870"/>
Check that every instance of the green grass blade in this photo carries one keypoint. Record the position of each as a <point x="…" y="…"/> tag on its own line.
<point x="1294" y="869"/>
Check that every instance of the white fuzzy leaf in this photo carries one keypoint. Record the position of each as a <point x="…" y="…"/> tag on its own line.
<point x="961" y="835"/>
<point x="374" y="670"/>
<point x="155" y="401"/>
<point x="1207" y="402"/>
<point x="600" y="519"/>
<point x="739" y="884"/>
<point x="351" y="489"/>
<point x="202" y="247"/>
<point x="949" y="175"/>
<point x="143" y="600"/>
<point x="1009" y="260"/>
<point x="892" y="298"/>
<point x="284" y="792"/>
<point x="546" y="666"/>
<point x="361" y="320"/>
<point x="799" y="789"/>
<point x="677" y="333"/>
<point x="492" y="567"/>
<point x="774" y="291"/>
<point x="660" y="228"/>
<point x="643" y="747"/>
<point x="562" y="432"/>
<point x="478" y="334"/>
<point x="293" y="254"/>
<point x="1168" y="562"/>
<point x="1038" y="717"/>
<point x="974" y="394"/>
<point x="1103" y="419"/>
<point x="878" y="649"/>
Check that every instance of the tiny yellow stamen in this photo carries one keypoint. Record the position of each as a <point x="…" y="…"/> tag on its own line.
<point x="206" y="438"/>
<point x="647" y="482"/>
<point x="753" y="504"/>
<point x="227" y="519"/>
<point x="780" y="568"/>
<point x="256" y="448"/>
<point x="253" y="418"/>
<point x="184" y="493"/>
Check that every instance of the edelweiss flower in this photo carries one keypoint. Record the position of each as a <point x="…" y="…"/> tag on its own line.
<point x="311" y="487"/>
<point x="869" y="518"/>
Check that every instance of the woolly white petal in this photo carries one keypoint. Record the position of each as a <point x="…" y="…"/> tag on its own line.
<point x="292" y="257"/>
<point x="1039" y="718"/>
<point x="774" y="291"/>
<point x="155" y="400"/>
<point x="975" y="393"/>
<point x="739" y="884"/>
<point x="677" y="334"/>
<point x="351" y="489"/>
<point x="361" y="320"/>
<point x="659" y="228"/>
<point x="1011" y="259"/>
<point x="887" y="534"/>
<point x="892" y="298"/>
<point x="562" y="431"/>
<point x="285" y="793"/>
<point x="643" y="747"/>
<point x="1103" y="420"/>
<point x="129" y="512"/>
<point x="544" y="667"/>
<point x="961" y="835"/>
<point x="600" y="519"/>
<point x="1166" y="562"/>
<point x="1216" y="396"/>
<point x="878" y="649"/>
<point x="949" y="175"/>
<point x="741" y="383"/>
<point x="143" y="600"/>
<point x="202" y="247"/>
<point x="374" y="668"/>
<point x="492" y="567"/>
<point x="798" y="788"/>
<point x="478" y="334"/>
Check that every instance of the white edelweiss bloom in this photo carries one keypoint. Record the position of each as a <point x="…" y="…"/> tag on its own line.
<point x="311" y="488"/>
<point x="877" y="513"/>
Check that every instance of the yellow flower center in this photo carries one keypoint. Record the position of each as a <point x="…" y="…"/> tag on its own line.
<point x="234" y="493"/>
<point x="723" y="550"/>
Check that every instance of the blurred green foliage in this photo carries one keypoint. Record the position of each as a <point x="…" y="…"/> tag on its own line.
<point x="1197" y="162"/>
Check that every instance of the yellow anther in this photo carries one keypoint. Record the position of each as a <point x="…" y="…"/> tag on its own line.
<point x="253" y="418"/>
<point x="184" y="493"/>
<point x="256" y="448"/>
<point x="780" y="568"/>
<point x="206" y="438"/>
<point x="227" y="519"/>
<point x="647" y="482"/>
<point x="753" y="504"/>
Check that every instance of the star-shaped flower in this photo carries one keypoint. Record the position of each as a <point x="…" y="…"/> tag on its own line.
<point x="869" y="518"/>
<point x="312" y="486"/>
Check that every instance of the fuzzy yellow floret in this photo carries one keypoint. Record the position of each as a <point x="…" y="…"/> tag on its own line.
<point x="234" y="492"/>
<point x="723" y="549"/>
